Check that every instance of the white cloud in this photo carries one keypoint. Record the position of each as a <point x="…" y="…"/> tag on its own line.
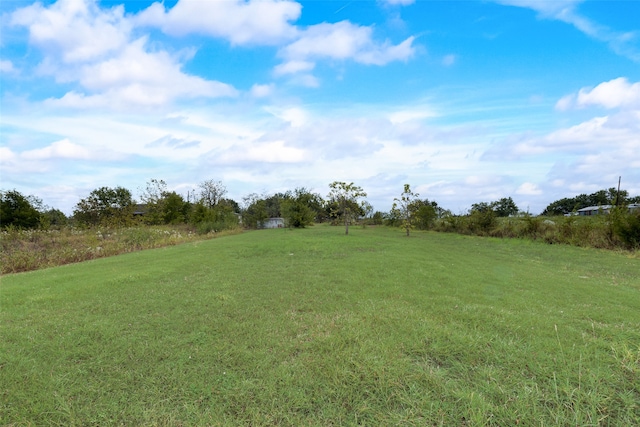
<point x="74" y="30"/>
<point x="404" y="116"/>
<point x="344" y="40"/>
<point x="528" y="189"/>
<point x="6" y="67"/>
<point x="63" y="149"/>
<point x="261" y="91"/>
<point x="616" y="93"/>
<point x="147" y="78"/>
<point x="240" y="22"/>
<point x="566" y="102"/>
<point x="52" y="157"/>
<point x="293" y="67"/>
<point x="263" y="152"/>
<point x="612" y="94"/>
<point x="295" y="116"/>
<point x="92" y="48"/>
<point x="596" y="135"/>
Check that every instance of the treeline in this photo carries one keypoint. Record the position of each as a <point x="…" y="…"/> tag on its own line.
<point x="116" y="207"/>
<point x="570" y="205"/>
<point x="208" y="209"/>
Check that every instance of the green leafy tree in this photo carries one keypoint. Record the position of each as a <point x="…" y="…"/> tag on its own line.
<point x="17" y="210"/>
<point x="406" y="207"/>
<point x="425" y="214"/>
<point x="106" y="206"/>
<point x="255" y="211"/>
<point x="599" y="198"/>
<point x="481" y="207"/>
<point x="346" y="198"/>
<point x="53" y="218"/>
<point x="505" y="207"/>
<point x="299" y="210"/>
<point x="378" y="218"/>
<point x="626" y="226"/>
<point x="232" y="204"/>
<point x="153" y="199"/>
<point x="175" y="209"/>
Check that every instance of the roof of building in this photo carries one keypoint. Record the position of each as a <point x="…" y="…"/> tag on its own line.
<point x="595" y="208"/>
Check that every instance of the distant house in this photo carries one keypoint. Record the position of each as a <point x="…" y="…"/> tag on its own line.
<point x="605" y="209"/>
<point x="273" y="223"/>
<point x="594" y="210"/>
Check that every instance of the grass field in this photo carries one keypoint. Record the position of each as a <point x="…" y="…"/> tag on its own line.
<point x="312" y="327"/>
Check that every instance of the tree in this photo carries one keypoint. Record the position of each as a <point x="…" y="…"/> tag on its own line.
<point x="211" y="192"/>
<point x="153" y="197"/>
<point x="481" y="207"/>
<point x="255" y="211"/>
<point x="106" y="206"/>
<point x="505" y="207"/>
<point x="18" y="210"/>
<point x="599" y="198"/>
<point x="378" y="218"/>
<point x="299" y="210"/>
<point x="346" y="198"/>
<point x="425" y="214"/>
<point x="175" y="209"/>
<point x="406" y="208"/>
<point x="501" y="208"/>
<point x="53" y="218"/>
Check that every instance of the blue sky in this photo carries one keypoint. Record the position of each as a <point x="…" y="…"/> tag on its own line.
<point x="467" y="101"/>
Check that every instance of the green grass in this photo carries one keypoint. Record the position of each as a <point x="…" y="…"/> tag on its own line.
<point x="312" y="327"/>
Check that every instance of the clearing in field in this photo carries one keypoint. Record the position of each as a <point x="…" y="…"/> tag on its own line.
<point x="312" y="327"/>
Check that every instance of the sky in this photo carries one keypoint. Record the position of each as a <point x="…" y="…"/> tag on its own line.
<point x="466" y="101"/>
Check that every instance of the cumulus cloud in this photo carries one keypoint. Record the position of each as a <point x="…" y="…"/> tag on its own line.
<point x="341" y="41"/>
<point x="74" y="30"/>
<point x="63" y="149"/>
<point x="616" y="132"/>
<point x="596" y="135"/>
<point x="345" y="40"/>
<point x="44" y="159"/>
<point x="241" y="22"/>
<point x="92" y="48"/>
<point x="616" y="93"/>
<point x="596" y="151"/>
<point x="528" y="189"/>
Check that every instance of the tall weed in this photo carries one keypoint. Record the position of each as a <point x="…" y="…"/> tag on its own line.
<point x="618" y="230"/>
<point x="25" y="250"/>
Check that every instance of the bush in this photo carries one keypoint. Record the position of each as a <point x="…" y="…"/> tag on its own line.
<point x="481" y="222"/>
<point x="626" y="227"/>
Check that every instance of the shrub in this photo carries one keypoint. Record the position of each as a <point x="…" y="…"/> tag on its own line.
<point x="626" y="227"/>
<point x="482" y="221"/>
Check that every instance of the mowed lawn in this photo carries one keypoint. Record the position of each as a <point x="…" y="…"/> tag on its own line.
<point x="314" y="328"/>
